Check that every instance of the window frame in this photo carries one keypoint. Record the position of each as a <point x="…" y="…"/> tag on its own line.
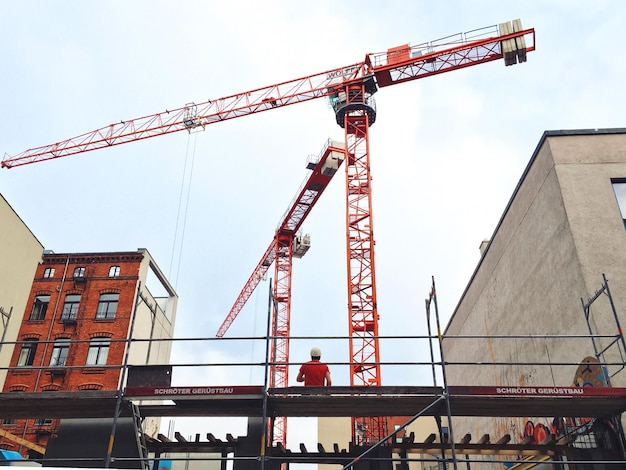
<point x="103" y="310"/>
<point x="42" y="421"/>
<point x="60" y="350"/>
<point x="70" y="307"/>
<point x="38" y="311"/>
<point x="79" y="271"/>
<point x="26" y="357"/>
<point x="620" y="196"/>
<point x="98" y="352"/>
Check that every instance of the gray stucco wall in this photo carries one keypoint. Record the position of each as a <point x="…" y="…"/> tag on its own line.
<point x="561" y="232"/>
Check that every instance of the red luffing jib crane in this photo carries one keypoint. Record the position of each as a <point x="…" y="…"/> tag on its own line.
<point x="350" y="90"/>
<point x="286" y="245"/>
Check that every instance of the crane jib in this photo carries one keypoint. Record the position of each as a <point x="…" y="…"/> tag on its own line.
<point x="397" y="65"/>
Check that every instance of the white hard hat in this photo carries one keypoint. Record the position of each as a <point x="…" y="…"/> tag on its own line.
<point x="316" y="352"/>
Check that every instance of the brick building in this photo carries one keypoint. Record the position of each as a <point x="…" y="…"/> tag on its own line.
<point x="81" y="311"/>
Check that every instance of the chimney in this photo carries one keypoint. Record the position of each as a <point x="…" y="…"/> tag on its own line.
<point x="483" y="246"/>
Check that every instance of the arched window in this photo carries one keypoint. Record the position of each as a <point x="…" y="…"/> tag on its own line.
<point x="70" y="307"/>
<point x="27" y="353"/>
<point x="107" y="306"/>
<point x="98" y="351"/>
<point x="59" y="352"/>
<point x="40" y="307"/>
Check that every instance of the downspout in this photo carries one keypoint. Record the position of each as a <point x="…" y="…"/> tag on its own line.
<point x="54" y="314"/>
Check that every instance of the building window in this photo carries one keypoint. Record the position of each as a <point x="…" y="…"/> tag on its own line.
<point x="59" y="352"/>
<point x="98" y="351"/>
<point x="79" y="272"/>
<point x="40" y="307"/>
<point x="107" y="306"/>
<point x="43" y="422"/>
<point x="27" y="353"/>
<point x="70" y="307"/>
<point x="114" y="271"/>
<point x="48" y="272"/>
<point x="398" y="429"/>
<point x="9" y="422"/>
<point x="619" y="188"/>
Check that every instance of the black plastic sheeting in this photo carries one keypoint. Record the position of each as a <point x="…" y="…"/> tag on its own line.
<point x="84" y="442"/>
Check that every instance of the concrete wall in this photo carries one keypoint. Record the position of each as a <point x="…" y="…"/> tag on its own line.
<point x="155" y="319"/>
<point x="561" y="231"/>
<point x="20" y="252"/>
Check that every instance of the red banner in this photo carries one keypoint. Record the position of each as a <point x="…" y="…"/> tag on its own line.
<point x="547" y="391"/>
<point x="195" y="391"/>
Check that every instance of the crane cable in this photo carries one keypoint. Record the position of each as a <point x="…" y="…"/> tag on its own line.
<point x="185" y="181"/>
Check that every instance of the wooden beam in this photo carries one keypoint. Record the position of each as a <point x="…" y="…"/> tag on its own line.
<point x="504" y="439"/>
<point x="22" y="442"/>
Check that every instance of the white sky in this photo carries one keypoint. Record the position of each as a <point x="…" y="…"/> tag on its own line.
<point x="446" y="151"/>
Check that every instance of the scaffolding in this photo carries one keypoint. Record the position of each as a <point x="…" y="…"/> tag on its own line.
<point x="593" y="415"/>
<point x="5" y="317"/>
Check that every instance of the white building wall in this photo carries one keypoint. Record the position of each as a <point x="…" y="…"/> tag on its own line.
<point x="154" y="320"/>
<point x="20" y="252"/>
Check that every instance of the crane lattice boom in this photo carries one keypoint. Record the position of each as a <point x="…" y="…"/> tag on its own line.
<point x="397" y="65"/>
<point x="328" y="161"/>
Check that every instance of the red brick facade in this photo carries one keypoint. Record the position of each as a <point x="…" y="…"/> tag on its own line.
<point x="73" y="332"/>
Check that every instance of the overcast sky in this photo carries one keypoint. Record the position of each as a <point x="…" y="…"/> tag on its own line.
<point x="446" y="151"/>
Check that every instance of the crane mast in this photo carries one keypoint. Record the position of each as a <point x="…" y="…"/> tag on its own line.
<point x="350" y="90"/>
<point x="355" y="112"/>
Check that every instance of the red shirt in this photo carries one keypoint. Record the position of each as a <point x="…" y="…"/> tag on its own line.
<point x="314" y="373"/>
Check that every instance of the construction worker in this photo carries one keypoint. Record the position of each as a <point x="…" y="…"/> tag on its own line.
<point x="314" y="373"/>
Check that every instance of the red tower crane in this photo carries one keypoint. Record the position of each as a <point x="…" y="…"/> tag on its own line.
<point x="286" y="245"/>
<point x="350" y="89"/>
